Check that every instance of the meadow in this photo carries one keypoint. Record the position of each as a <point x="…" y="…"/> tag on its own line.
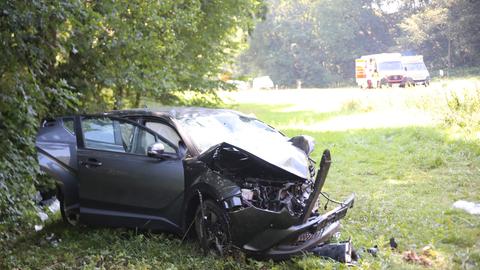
<point x="407" y="154"/>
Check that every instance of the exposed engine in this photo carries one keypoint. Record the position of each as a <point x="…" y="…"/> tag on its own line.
<point x="275" y="196"/>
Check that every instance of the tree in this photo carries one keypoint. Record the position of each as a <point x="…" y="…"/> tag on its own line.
<point x="315" y="41"/>
<point x="62" y="56"/>
<point x="444" y="31"/>
<point x="29" y="85"/>
<point x="128" y="50"/>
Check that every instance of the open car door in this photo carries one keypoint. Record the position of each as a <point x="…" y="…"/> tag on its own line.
<point x="120" y="182"/>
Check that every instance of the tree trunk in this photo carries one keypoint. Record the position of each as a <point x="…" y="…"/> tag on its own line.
<point x="118" y="99"/>
<point x="137" y="99"/>
<point x="449" y="56"/>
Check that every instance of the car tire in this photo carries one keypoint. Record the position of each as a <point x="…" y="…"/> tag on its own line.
<point x="383" y="83"/>
<point x="408" y="83"/>
<point x="71" y="219"/>
<point x="212" y="228"/>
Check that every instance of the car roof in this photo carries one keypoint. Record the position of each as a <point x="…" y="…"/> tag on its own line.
<point x="173" y="112"/>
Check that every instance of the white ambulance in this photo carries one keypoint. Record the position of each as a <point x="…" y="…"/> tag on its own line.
<point x="415" y="70"/>
<point x="378" y="70"/>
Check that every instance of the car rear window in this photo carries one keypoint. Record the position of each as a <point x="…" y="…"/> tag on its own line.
<point x="68" y="125"/>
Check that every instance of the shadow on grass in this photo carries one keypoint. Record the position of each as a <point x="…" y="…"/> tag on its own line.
<point x="62" y="246"/>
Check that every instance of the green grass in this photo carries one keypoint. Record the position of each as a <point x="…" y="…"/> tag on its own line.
<point x="405" y="179"/>
<point x="278" y="115"/>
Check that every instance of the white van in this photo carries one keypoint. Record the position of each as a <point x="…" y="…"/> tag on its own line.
<point x="263" y="82"/>
<point x="415" y="70"/>
<point x="377" y="70"/>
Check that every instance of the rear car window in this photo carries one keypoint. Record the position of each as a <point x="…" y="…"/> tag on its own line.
<point x="68" y="125"/>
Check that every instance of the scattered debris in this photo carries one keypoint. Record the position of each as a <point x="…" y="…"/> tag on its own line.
<point x="471" y="207"/>
<point x="53" y="206"/>
<point x="53" y="240"/>
<point x="411" y="256"/>
<point x="342" y="252"/>
<point x="37" y="198"/>
<point x="425" y="258"/>
<point x="42" y="215"/>
<point x="393" y="244"/>
<point x="38" y="228"/>
<point x="373" y="251"/>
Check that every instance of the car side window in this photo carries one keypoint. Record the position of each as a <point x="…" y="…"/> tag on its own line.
<point x="143" y="139"/>
<point x="165" y="131"/>
<point x="103" y="133"/>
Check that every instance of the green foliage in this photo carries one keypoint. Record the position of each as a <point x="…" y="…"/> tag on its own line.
<point x="444" y="32"/>
<point x="187" y="98"/>
<point x="464" y="110"/>
<point x="317" y="41"/>
<point x="62" y="56"/>
<point x="139" y="49"/>
<point x="29" y="89"/>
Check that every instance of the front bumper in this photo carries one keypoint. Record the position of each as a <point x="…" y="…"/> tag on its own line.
<point x="278" y="235"/>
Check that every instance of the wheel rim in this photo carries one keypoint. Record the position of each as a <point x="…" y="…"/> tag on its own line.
<point x="211" y="231"/>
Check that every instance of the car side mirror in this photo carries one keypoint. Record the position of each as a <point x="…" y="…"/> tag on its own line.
<point x="156" y="150"/>
<point x="304" y="142"/>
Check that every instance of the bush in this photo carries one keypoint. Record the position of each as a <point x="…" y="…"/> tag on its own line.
<point x="65" y="55"/>
<point x="29" y="90"/>
<point x="464" y="110"/>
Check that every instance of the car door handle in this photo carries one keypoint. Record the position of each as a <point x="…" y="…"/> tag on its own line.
<point x="91" y="162"/>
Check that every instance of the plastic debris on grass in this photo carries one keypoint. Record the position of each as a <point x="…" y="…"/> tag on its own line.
<point x="373" y="250"/>
<point x="470" y="207"/>
<point x="53" y="206"/>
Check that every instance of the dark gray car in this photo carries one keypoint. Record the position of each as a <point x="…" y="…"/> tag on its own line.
<point x="225" y="177"/>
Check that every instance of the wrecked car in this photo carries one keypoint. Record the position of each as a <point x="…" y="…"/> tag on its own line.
<point x="226" y="177"/>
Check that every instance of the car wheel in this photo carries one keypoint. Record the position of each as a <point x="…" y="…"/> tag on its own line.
<point x="70" y="218"/>
<point x="382" y="83"/>
<point x="211" y="226"/>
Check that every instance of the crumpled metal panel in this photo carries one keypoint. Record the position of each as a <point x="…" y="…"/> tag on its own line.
<point x="289" y="165"/>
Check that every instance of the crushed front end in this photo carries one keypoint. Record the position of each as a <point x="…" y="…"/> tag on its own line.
<point x="277" y="218"/>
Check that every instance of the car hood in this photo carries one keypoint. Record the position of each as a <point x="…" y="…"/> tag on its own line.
<point x="270" y="162"/>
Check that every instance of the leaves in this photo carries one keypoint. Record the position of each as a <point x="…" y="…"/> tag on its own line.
<point x="315" y="42"/>
<point x="63" y="56"/>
